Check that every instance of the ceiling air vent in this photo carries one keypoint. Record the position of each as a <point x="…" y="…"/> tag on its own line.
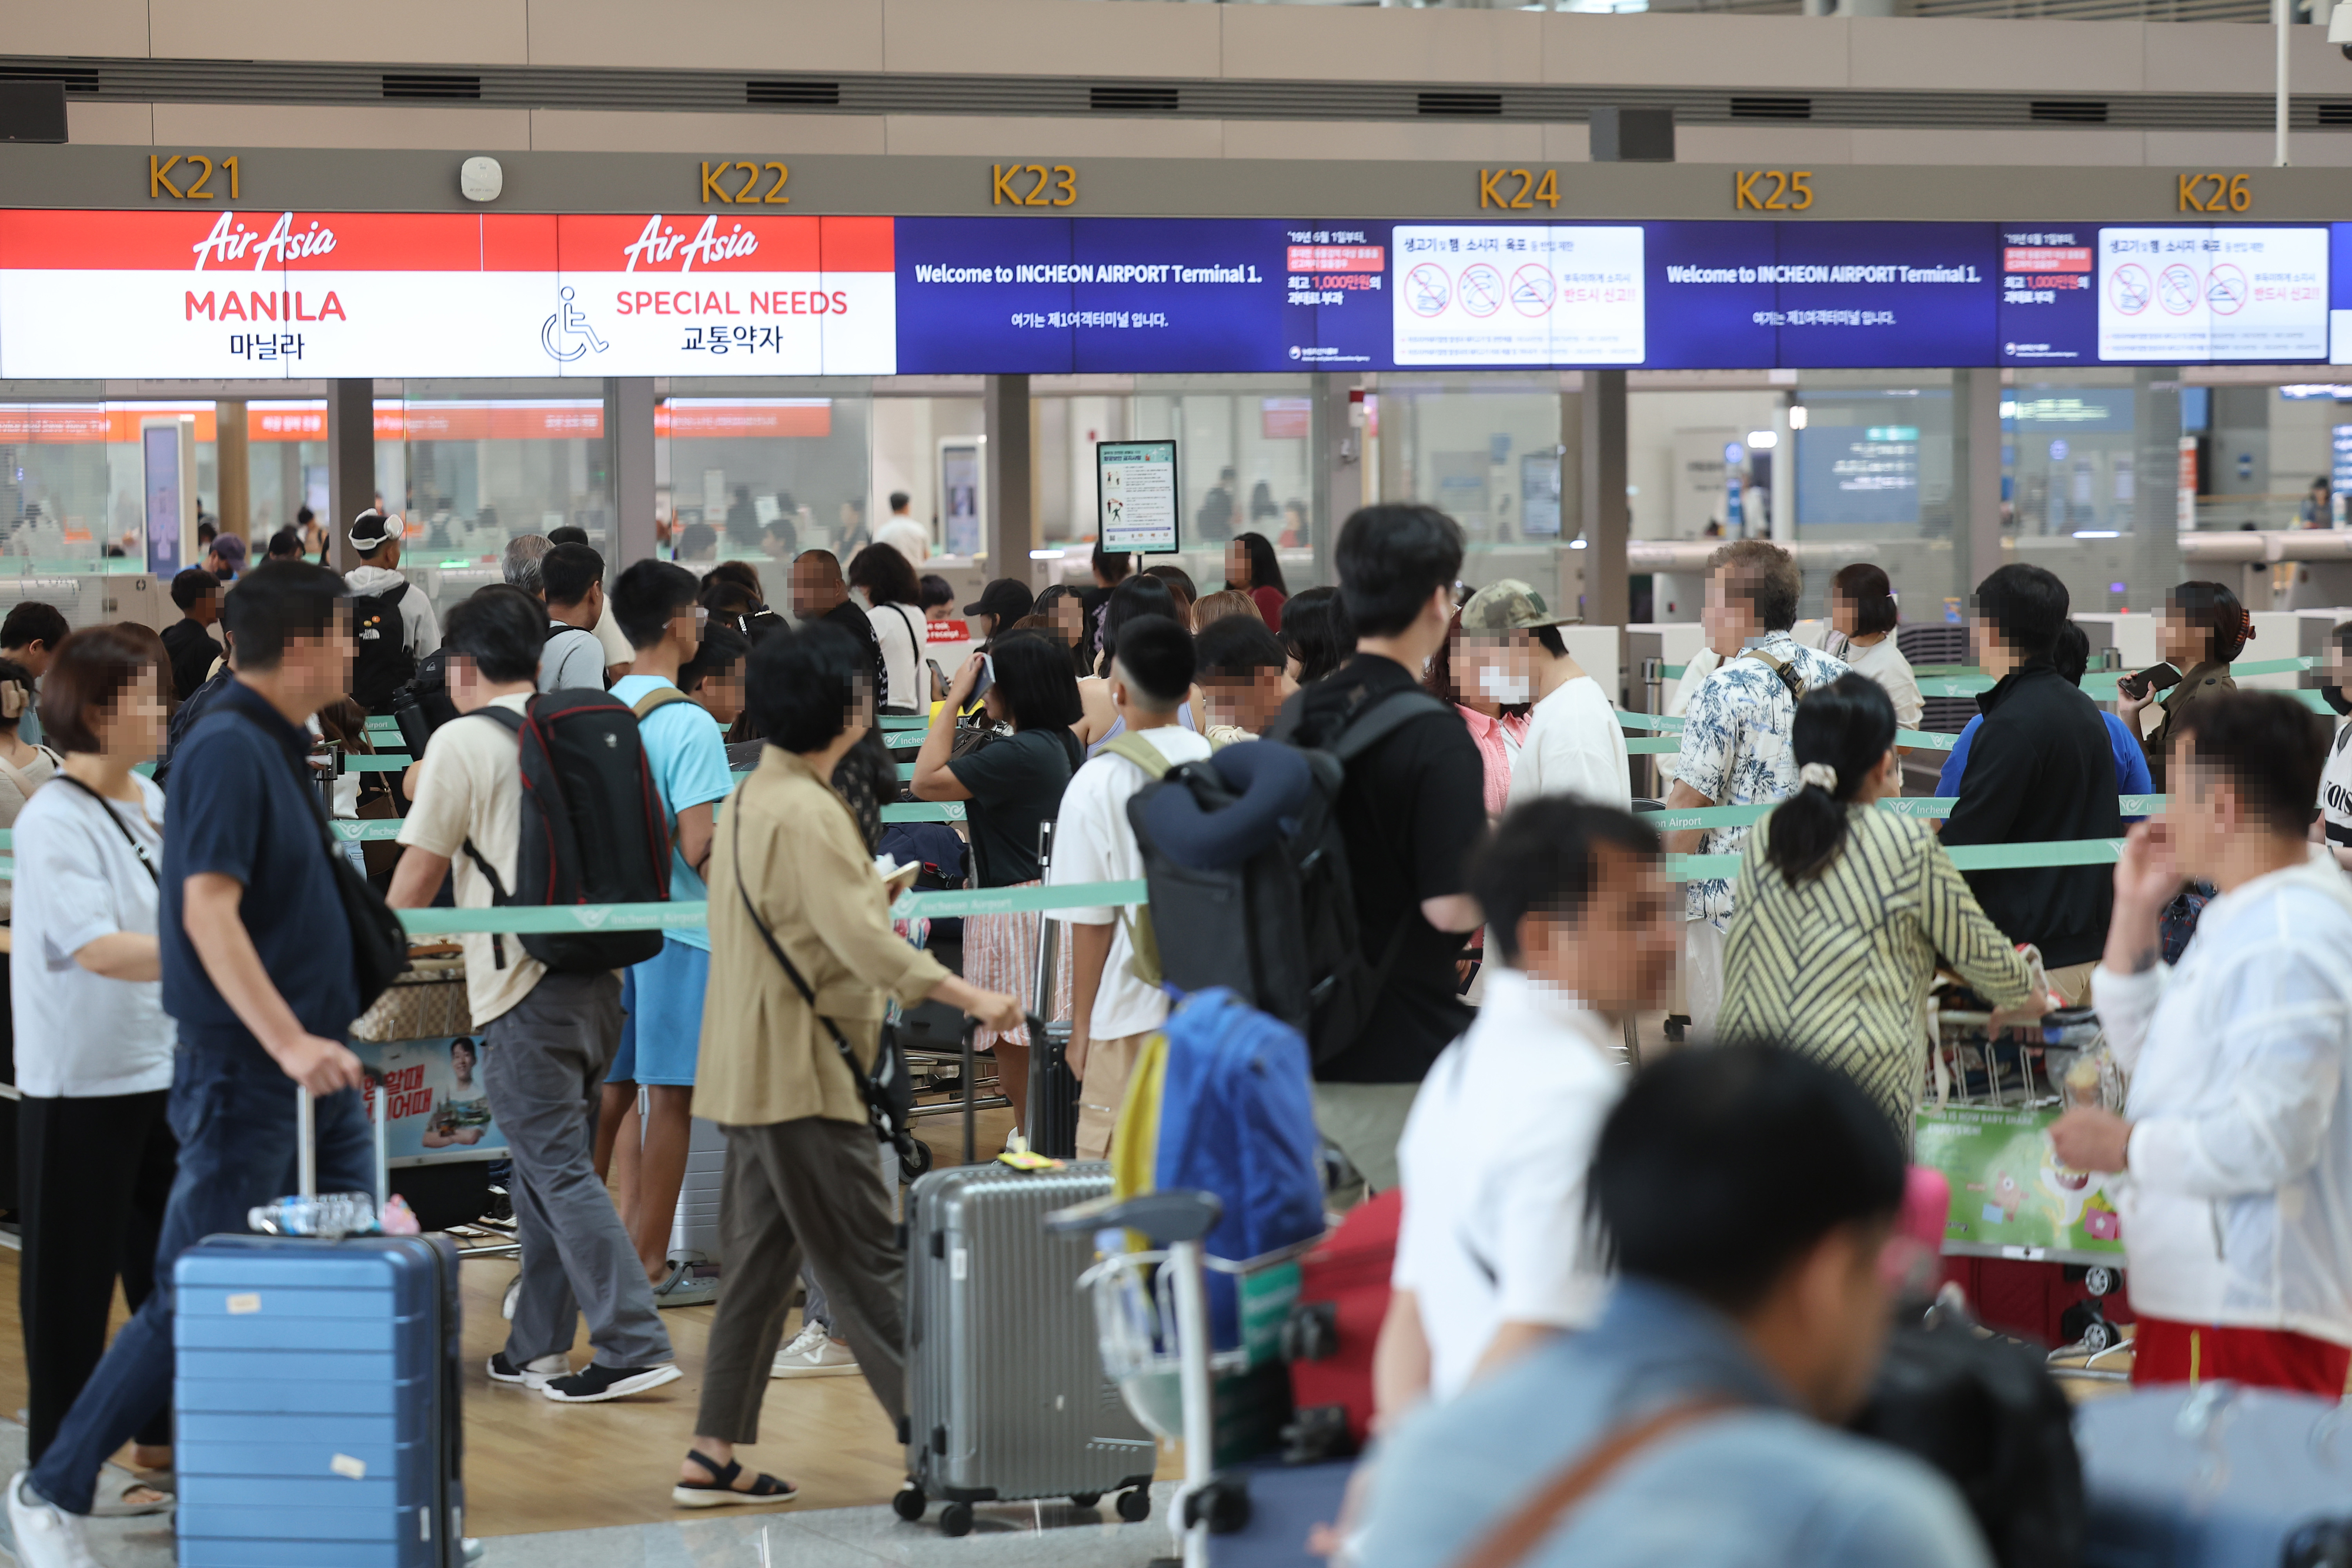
<point x="2335" y="114"/>
<point x="1132" y="99"/>
<point x="1771" y="108"/>
<point x="77" y="78"/>
<point x="793" y="94"/>
<point x="422" y="84"/>
<point x="1483" y="105"/>
<point x="2068" y="111"/>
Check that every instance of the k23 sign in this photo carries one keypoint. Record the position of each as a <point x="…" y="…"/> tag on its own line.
<point x="242" y="294"/>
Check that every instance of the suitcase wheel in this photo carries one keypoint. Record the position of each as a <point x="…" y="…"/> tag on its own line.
<point x="1085" y="1499"/>
<point x="918" y="1161"/>
<point x="908" y="1504"/>
<point x="955" y="1518"/>
<point x="1135" y="1504"/>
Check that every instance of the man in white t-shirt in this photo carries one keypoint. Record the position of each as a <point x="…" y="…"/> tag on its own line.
<point x="1113" y="1011"/>
<point x="1573" y="744"/>
<point x="547" y="1039"/>
<point x="903" y="533"/>
<point x="1495" y="1255"/>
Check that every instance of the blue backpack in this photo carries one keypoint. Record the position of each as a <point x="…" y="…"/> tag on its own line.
<point x="1236" y="1118"/>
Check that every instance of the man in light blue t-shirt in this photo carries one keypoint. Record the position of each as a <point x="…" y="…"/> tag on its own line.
<point x="653" y="602"/>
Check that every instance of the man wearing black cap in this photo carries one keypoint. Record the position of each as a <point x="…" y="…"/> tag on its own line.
<point x="1000" y="605"/>
<point x="393" y="623"/>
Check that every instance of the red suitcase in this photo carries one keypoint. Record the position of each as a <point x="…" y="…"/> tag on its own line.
<point x="1343" y="1295"/>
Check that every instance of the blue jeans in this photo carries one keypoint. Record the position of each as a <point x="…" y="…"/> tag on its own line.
<point x="233" y="1113"/>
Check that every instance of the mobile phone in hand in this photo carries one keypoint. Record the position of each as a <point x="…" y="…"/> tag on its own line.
<point x="2155" y="678"/>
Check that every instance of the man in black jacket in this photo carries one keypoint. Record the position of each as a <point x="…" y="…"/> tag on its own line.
<point x="2040" y="768"/>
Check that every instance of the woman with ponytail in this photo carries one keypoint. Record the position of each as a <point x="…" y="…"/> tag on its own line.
<point x="2201" y="632"/>
<point x="1844" y="912"/>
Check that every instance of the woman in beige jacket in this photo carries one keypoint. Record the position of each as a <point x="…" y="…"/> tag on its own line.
<point x="789" y="880"/>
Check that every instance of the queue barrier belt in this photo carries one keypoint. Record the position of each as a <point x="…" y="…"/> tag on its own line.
<point x="1919" y="739"/>
<point x="967" y="903"/>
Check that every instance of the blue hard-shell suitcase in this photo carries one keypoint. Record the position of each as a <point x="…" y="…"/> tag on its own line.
<point x="2217" y="1476"/>
<point x="318" y="1392"/>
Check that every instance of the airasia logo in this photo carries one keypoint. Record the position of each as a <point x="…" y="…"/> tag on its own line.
<point x="659" y="244"/>
<point x="232" y="242"/>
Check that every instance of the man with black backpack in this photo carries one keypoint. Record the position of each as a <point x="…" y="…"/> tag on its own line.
<point x="393" y="623"/>
<point x="548" y="1036"/>
<point x="1412" y="806"/>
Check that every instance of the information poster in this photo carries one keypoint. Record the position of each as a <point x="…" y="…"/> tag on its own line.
<point x="2009" y="1191"/>
<point x="1136" y="490"/>
<point x="433" y="1095"/>
<point x="1509" y="294"/>
<point x="2228" y="292"/>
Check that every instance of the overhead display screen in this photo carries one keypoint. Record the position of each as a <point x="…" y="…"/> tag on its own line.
<point x="245" y="292"/>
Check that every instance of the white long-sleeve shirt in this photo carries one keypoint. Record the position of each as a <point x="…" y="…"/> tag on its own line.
<point x="2237" y="1208"/>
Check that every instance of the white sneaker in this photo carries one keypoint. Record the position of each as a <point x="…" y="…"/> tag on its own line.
<point x="45" y="1535"/>
<point x="514" y="1292"/>
<point x="531" y="1373"/>
<point x="813" y="1354"/>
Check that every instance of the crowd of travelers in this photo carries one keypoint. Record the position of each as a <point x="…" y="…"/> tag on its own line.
<point x="1707" y="1229"/>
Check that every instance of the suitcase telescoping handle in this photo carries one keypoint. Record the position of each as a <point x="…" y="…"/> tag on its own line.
<point x="306" y="1135"/>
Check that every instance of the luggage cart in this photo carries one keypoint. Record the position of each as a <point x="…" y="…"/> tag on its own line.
<point x="1990" y="1099"/>
<point x="1151" y="1316"/>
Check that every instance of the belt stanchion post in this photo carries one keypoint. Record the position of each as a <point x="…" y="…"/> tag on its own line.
<point x="1653" y="686"/>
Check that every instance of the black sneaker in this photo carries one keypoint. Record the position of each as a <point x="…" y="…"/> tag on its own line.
<point x="532" y="1374"/>
<point x="595" y="1383"/>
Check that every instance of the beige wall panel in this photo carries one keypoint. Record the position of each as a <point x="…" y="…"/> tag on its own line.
<point x="245" y="125"/>
<point x="423" y="32"/>
<point x="705" y="135"/>
<point x="115" y="27"/>
<point x="111" y="124"/>
<point x="1764" y="146"/>
<point x="1568" y="141"/>
<point x="1664" y="50"/>
<point x="1053" y="136"/>
<point x="1382" y="139"/>
<point x="2245" y="151"/>
<point x="1970" y="55"/>
<point x="2221" y="56"/>
<point x="2060" y="146"/>
<point x="1274" y="43"/>
<point x="1050" y="37"/>
<point x="709" y="35"/>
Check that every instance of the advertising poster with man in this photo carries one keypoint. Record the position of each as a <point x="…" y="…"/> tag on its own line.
<point x="437" y="1109"/>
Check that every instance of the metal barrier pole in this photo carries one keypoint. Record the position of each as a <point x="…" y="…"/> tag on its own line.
<point x="1654" y="685"/>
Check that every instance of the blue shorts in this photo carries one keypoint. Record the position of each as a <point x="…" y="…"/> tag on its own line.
<point x="661" y="1026"/>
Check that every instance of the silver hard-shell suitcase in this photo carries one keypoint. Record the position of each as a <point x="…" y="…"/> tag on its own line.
<point x="1006" y="1397"/>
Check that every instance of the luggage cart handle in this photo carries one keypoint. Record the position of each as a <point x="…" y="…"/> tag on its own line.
<point x="1165" y="1218"/>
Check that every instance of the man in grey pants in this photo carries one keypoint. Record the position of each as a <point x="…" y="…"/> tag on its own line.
<point x="547" y="1039"/>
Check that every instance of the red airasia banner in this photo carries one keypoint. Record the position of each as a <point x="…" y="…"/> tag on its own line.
<point x="243" y="292"/>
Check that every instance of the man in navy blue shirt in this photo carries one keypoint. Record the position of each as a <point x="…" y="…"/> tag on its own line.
<point x="263" y="991"/>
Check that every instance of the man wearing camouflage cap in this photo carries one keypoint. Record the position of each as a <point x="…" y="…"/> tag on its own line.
<point x="1515" y="653"/>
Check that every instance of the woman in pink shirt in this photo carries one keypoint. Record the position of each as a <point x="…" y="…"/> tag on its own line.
<point x="1496" y="724"/>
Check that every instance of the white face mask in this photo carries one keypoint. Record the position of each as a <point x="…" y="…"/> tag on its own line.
<point x="1499" y="684"/>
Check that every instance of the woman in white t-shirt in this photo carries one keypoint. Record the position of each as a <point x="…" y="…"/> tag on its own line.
<point x="93" y="1043"/>
<point x="893" y="596"/>
<point x="1862" y="632"/>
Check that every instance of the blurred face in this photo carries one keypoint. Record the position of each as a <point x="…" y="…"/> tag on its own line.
<point x="1494" y="669"/>
<point x="816" y="588"/>
<point x="1843" y="615"/>
<point x="2181" y="644"/>
<point x="1249" y="702"/>
<point x="721" y="693"/>
<point x="2202" y="812"/>
<point x="686" y="625"/>
<point x="1617" y="954"/>
<point x="132" y="727"/>
<point x="1729" y="621"/>
<point x="1238" y="564"/>
<point x="316" y="670"/>
<point x="1069" y="619"/>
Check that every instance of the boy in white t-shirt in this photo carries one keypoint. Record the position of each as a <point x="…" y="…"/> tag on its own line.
<point x="1494" y="1255"/>
<point x="1574" y="744"/>
<point x="1113" y="1011"/>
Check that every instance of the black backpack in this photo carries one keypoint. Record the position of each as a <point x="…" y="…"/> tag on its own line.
<point x="1986" y="1412"/>
<point x="381" y="663"/>
<point x="1269" y="912"/>
<point x="593" y="830"/>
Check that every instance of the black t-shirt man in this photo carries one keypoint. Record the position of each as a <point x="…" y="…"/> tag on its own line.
<point x="193" y="653"/>
<point x="851" y="619"/>
<point x="1410" y="811"/>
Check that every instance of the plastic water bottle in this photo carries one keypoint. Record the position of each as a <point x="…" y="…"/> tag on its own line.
<point x="330" y="1214"/>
